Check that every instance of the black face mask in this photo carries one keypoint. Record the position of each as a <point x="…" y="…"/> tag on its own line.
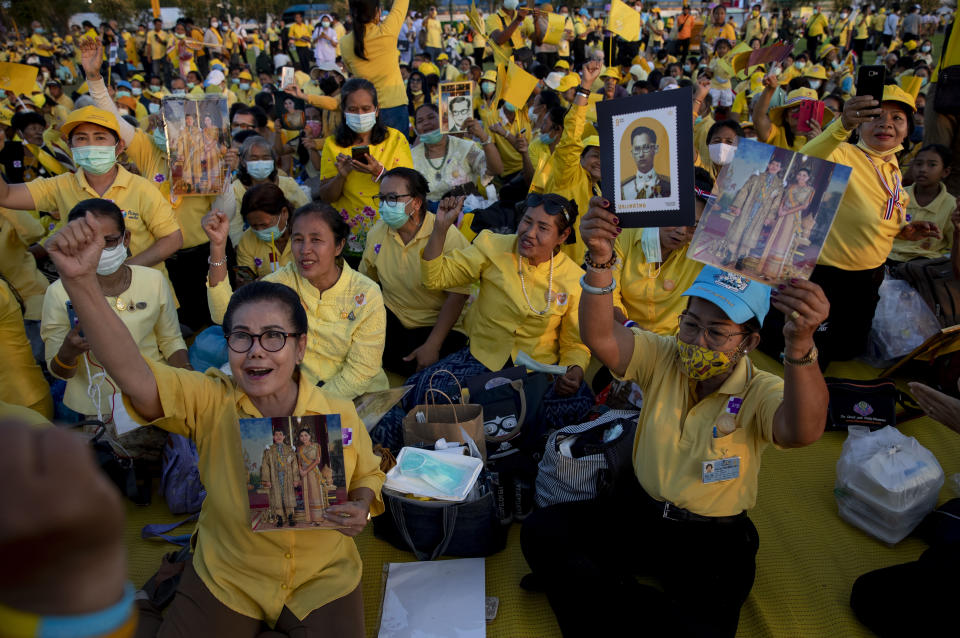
<point x="329" y="85"/>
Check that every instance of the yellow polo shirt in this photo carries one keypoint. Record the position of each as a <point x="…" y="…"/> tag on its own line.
<point x="434" y="33"/>
<point x="396" y="267"/>
<point x="651" y="296"/>
<point x="675" y="433"/>
<point x="501" y="321"/>
<point x="158" y="43"/>
<point x="300" y="34"/>
<point x="937" y="211"/>
<point x="21" y="380"/>
<point x="346" y="354"/>
<point x="260" y="256"/>
<point x="146" y="213"/>
<point x="18" y="265"/>
<point x="382" y="66"/>
<point x="499" y="21"/>
<point x="154" y="327"/>
<point x="39" y="45"/>
<point x="711" y="33"/>
<point x="356" y="200"/>
<point x="512" y="161"/>
<point x="258" y="574"/>
<point x="860" y="238"/>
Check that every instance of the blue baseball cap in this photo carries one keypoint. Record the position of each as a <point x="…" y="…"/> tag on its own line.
<point x="124" y="84"/>
<point x="584" y="12"/>
<point x="740" y="298"/>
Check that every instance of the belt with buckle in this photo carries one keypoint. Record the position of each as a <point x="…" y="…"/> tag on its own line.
<point x="673" y="513"/>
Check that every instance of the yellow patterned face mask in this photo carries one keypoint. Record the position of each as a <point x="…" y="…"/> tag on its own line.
<point x="700" y="363"/>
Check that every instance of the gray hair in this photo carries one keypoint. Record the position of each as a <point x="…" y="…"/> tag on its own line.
<point x="257" y="140"/>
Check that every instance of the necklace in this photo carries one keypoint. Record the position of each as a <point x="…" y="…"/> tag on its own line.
<point x="438" y="169"/>
<point x="523" y="287"/>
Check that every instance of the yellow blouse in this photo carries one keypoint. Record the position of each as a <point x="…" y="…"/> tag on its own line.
<point x="260" y="256"/>
<point x="504" y="320"/>
<point x="21" y="380"/>
<point x="347" y="329"/>
<point x="258" y="574"/>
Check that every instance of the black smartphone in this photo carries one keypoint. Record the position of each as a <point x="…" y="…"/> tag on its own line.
<point x="72" y="317"/>
<point x="870" y="81"/>
<point x="359" y="153"/>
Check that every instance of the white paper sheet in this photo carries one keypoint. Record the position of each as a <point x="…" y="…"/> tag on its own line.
<point x="435" y="599"/>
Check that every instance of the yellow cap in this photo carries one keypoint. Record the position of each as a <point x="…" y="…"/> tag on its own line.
<point x="893" y="93"/>
<point x="443" y="56"/>
<point x="592" y="140"/>
<point x="162" y="93"/>
<point x="910" y="45"/>
<point x="815" y="71"/>
<point x="825" y="49"/>
<point x="561" y="64"/>
<point x="138" y="78"/>
<point x="611" y="72"/>
<point x="490" y="75"/>
<point x="429" y="68"/>
<point x="245" y="75"/>
<point x="568" y="82"/>
<point x="90" y="115"/>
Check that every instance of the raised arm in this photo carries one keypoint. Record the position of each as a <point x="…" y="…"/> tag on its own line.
<point x="76" y="250"/>
<point x="91" y="55"/>
<point x="856" y="111"/>
<point x="761" y="117"/>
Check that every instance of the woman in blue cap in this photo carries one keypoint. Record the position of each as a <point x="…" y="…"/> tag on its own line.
<point x="708" y="414"/>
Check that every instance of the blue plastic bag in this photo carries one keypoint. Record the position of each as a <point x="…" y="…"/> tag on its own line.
<point x="209" y="349"/>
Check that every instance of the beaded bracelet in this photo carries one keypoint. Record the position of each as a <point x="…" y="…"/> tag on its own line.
<point x="588" y="260"/>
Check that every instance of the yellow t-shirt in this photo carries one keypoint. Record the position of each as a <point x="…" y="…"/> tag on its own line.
<point x="673" y="441"/>
<point x="434" y="32"/>
<point x="17" y="264"/>
<point x="146" y="213"/>
<point x="382" y="66"/>
<point x="260" y="256"/>
<point x="299" y="570"/>
<point x="153" y="325"/>
<point x="345" y="353"/>
<point x="712" y="33"/>
<point x="356" y="201"/>
<point x="21" y="380"/>
<point x="39" y="45"/>
<point x="651" y="296"/>
<point x="860" y="238"/>
<point x="816" y="25"/>
<point x="396" y="267"/>
<point x="860" y="27"/>
<point x="512" y="161"/>
<point x="937" y="211"/>
<point x="158" y="43"/>
<point x="300" y="34"/>
<point x="499" y="21"/>
<point x="504" y="320"/>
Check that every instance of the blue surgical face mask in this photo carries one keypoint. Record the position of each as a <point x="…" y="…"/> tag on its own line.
<point x="799" y="64"/>
<point x="487" y="88"/>
<point x="814" y="84"/>
<point x="509" y="108"/>
<point x="269" y="234"/>
<point x="234" y="80"/>
<point x="260" y="169"/>
<point x="160" y="138"/>
<point x="546" y="139"/>
<point x="123" y="94"/>
<point x="925" y="48"/>
<point x="432" y="137"/>
<point x="394" y="215"/>
<point x="178" y="93"/>
<point x="153" y="107"/>
<point x="190" y="85"/>
<point x="244" y="86"/>
<point x="3" y="94"/>
<point x="650" y="242"/>
<point x="137" y="90"/>
<point x="361" y="122"/>
<point x="97" y="160"/>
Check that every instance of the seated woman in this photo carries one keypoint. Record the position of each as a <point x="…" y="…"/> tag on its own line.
<point x="527" y="302"/>
<point x="347" y="320"/>
<point x="723" y="137"/>
<point x="448" y="161"/>
<point x="355" y="157"/>
<point x="142" y="299"/>
<point x="423" y="325"/>
<point x="238" y="580"/>
<point x="708" y="416"/>
<point x="655" y="270"/>
<point x="264" y="247"/>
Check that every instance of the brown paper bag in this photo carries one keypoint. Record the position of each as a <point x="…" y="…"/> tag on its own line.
<point x="444" y="421"/>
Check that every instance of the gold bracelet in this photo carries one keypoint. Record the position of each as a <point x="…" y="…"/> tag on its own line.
<point x="808" y="359"/>
<point x="57" y="360"/>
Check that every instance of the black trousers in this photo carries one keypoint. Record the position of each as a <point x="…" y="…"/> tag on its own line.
<point x="858" y="48"/>
<point x="187" y="269"/>
<point x="853" y="297"/>
<point x="402" y="341"/>
<point x="813" y="41"/>
<point x="585" y="555"/>
<point x="913" y="599"/>
<point x="683" y="49"/>
<point x="305" y="55"/>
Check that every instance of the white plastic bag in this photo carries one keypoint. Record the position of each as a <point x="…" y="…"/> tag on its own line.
<point x="886" y="482"/>
<point x="901" y="322"/>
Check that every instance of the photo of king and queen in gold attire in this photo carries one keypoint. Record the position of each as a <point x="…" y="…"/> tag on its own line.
<point x="294" y="470"/>
<point x="771" y="211"/>
<point x="198" y="136"/>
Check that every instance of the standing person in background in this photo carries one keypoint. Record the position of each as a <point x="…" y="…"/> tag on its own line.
<point x="816" y="29"/>
<point x="911" y="24"/>
<point x="684" y="31"/>
<point x="299" y="37"/>
<point x="891" y="25"/>
<point x="326" y="40"/>
<point x="433" y="42"/>
<point x="370" y="52"/>
<point x="158" y="41"/>
<point x="861" y="32"/>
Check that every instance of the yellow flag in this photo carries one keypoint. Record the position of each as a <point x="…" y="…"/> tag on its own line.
<point x="624" y="21"/>
<point x="554" y="28"/>
<point x="20" y="79"/>
<point x="911" y="84"/>
<point x="155" y="6"/>
<point x="518" y="87"/>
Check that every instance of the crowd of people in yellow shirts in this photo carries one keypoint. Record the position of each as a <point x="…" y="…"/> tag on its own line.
<point x="358" y="245"/>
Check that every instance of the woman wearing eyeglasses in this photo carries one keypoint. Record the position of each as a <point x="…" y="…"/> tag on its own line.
<point x="344" y="348"/>
<point x="296" y="582"/>
<point x="527" y="302"/>
<point x="139" y="296"/>
<point x="423" y="325"/>
<point x="708" y="415"/>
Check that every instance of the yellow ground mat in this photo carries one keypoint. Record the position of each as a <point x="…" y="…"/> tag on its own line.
<point x="807" y="563"/>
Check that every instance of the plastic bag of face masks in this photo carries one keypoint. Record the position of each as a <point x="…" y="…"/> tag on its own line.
<point x="901" y="322"/>
<point x="209" y="349"/>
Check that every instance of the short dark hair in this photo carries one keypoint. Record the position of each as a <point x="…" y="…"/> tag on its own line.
<point x="267" y="291"/>
<point x="733" y="125"/>
<point x="344" y="135"/>
<point x="946" y="155"/>
<point x="557" y="114"/>
<point x="416" y="183"/>
<point x="267" y="197"/>
<point x="459" y="98"/>
<point x="326" y="212"/>
<point x="23" y="119"/>
<point x="100" y="208"/>
<point x="642" y="130"/>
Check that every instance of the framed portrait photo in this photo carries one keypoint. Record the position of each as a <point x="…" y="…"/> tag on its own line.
<point x="770" y="213"/>
<point x="456" y="106"/>
<point x="646" y="144"/>
<point x="198" y="136"/>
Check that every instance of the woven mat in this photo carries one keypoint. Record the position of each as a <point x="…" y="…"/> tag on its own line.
<point x="807" y="563"/>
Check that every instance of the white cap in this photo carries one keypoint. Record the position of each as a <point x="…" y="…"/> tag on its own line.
<point x="214" y="77"/>
<point x="638" y="72"/>
<point x="553" y="79"/>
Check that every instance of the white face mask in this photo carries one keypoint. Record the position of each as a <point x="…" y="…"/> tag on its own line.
<point x="111" y="259"/>
<point x="721" y="154"/>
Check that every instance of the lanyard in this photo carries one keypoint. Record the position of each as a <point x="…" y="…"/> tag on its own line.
<point x="894" y="199"/>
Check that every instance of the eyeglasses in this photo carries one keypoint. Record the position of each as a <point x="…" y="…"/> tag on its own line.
<point x="689" y="332"/>
<point x="243" y="126"/>
<point x="271" y="340"/>
<point x="646" y="149"/>
<point x="553" y="204"/>
<point x="391" y="198"/>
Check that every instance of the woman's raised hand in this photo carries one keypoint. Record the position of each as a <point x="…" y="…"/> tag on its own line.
<point x="448" y="212"/>
<point x="217" y="227"/>
<point x="75" y="250"/>
<point x="599" y="229"/>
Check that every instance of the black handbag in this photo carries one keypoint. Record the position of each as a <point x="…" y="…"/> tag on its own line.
<point x="511" y="400"/>
<point x="119" y="468"/>
<point x="871" y="402"/>
<point x="431" y="529"/>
